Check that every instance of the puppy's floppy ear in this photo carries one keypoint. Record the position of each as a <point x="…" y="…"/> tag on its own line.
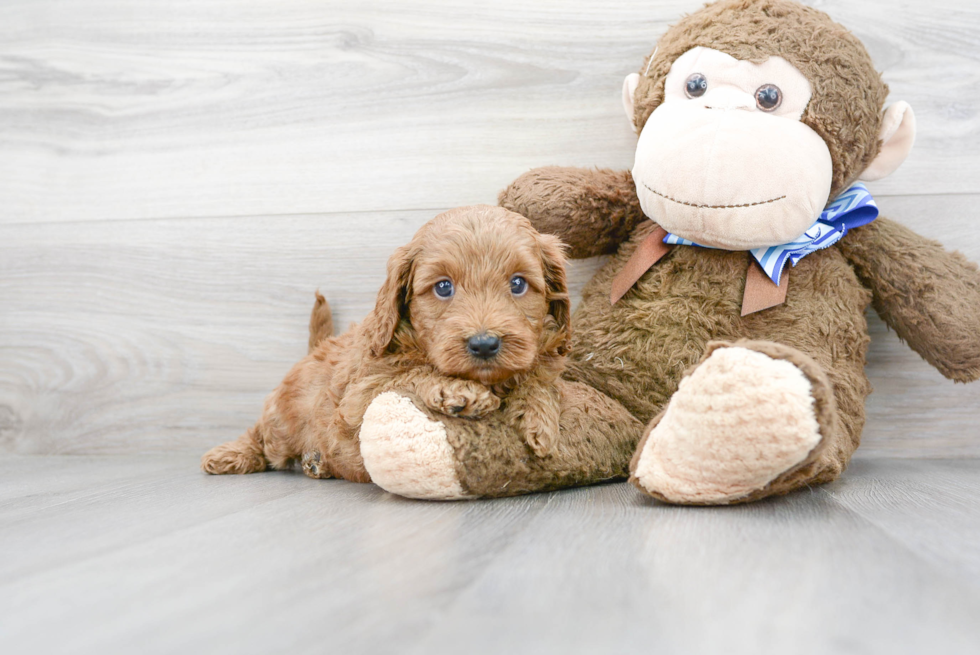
<point x="392" y="301"/>
<point x="559" y="305"/>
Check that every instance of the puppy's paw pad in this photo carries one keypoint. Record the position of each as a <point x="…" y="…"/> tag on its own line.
<point x="313" y="466"/>
<point x="406" y="453"/>
<point x="734" y="425"/>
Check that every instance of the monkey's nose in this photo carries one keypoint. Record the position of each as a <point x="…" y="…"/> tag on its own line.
<point x="726" y="98"/>
<point x="483" y="346"/>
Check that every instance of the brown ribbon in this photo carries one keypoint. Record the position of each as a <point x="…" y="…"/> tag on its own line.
<point x="760" y="292"/>
<point x="649" y="252"/>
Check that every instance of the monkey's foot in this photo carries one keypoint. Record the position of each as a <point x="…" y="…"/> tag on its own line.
<point x="407" y="453"/>
<point x="745" y="423"/>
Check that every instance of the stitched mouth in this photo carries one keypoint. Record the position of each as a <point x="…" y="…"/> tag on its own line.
<point x="691" y="204"/>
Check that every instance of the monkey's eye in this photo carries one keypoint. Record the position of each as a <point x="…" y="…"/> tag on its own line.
<point x="768" y="97"/>
<point x="518" y="285"/>
<point x="696" y="85"/>
<point x="444" y="289"/>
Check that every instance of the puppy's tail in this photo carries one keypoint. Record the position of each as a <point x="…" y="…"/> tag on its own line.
<point x="321" y="322"/>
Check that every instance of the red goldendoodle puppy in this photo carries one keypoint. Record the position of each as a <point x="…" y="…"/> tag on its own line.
<point x="474" y="316"/>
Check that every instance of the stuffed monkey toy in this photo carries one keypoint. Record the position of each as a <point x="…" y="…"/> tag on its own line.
<point x="729" y="318"/>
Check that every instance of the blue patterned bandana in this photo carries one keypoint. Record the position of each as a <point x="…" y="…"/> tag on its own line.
<point x="853" y="208"/>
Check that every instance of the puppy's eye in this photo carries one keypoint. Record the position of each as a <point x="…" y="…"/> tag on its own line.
<point x="518" y="285"/>
<point x="444" y="289"/>
<point x="696" y="85"/>
<point x="768" y="97"/>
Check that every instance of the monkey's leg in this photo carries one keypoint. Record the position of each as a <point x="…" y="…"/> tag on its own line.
<point x="752" y="419"/>
<point x="413" y="451"/>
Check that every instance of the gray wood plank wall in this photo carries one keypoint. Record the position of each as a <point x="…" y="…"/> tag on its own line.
<point x="177" y="177"/>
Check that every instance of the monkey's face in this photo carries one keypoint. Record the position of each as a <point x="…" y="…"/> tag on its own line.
<point x="725" y="160"/>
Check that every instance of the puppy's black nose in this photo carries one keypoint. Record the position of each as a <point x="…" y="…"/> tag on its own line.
<point x="483" y="345"/>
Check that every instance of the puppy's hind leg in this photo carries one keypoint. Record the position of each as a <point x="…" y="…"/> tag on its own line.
<point x="279" y="437"/>
<point x="273" y="442"/>
<point x="245" y="455"/>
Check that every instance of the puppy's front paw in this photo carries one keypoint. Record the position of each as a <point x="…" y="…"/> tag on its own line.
<point x="538" y="407"/>
<point x="461" y="398"/>
<point x="541" y="431"/>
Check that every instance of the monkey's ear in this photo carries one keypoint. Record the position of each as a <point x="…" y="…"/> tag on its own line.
<point x="897" y="136"/>
<point x="393" y="297"/>
<point x="629" y="90"/>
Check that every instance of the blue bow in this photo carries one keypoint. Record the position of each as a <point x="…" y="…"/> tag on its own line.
<point x="853" y="208"/>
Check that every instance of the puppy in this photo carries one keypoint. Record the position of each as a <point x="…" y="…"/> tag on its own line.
<point x="473" y="317"/>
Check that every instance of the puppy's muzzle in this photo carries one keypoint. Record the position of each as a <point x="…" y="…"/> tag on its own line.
<point x="483" y="346"/>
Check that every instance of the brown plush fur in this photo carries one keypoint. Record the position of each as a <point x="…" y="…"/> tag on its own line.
<point x="638" y="350"/>
<point x="603" y="196"/>
<point x="642" y="346"/>
<point x="492" y="458"/>
<point x="415" y="341"/>
<point x="930" y="297"/>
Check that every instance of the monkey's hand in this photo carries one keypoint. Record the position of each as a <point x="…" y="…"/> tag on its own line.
<point x="928" y="295"/>
<point x="592" y="211"/>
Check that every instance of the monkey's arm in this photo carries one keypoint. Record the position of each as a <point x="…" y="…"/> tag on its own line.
<point x="592" y="211"/>
<point x="929" y="296"/>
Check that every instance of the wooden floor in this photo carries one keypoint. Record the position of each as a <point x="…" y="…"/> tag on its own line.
<point x="147" y="555"/>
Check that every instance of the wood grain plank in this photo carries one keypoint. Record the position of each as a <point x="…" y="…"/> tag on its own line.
<point x="796" y="574"/>
<point x="232" y="564"/>
<point x="277" y="562"/>
<point x="183" y="108"/>
<point x="153" y="336"/>
<point x="119" y="503"/>
<point x="932" y="507"/>
<point x="23" y="491"/>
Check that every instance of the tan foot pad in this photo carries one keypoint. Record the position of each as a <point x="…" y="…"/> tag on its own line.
<point x="734" y="425"/>
<point x="406" y="453"/>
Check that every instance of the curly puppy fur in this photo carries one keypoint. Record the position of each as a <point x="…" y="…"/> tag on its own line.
<point x="415" y="341"/>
